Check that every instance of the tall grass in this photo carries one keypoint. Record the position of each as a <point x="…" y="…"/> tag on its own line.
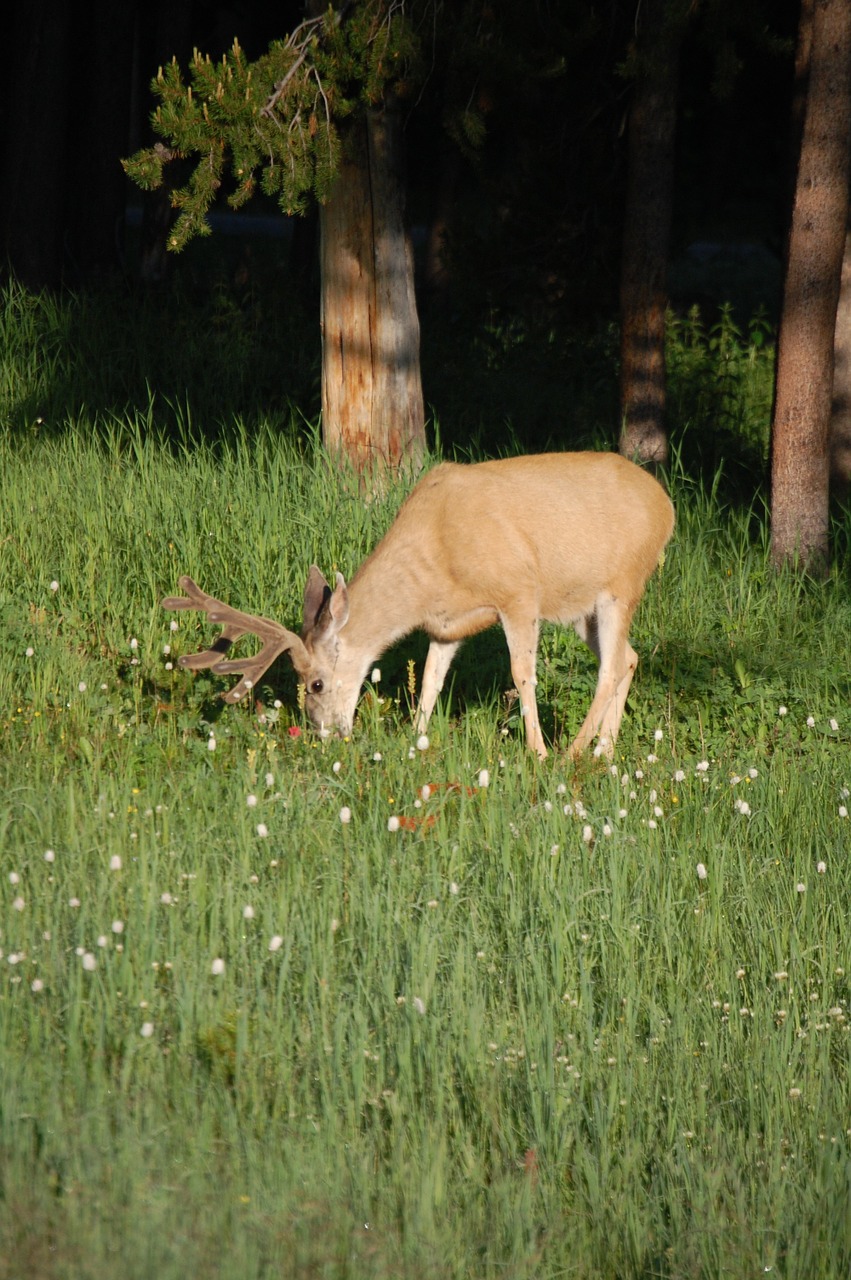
<point x="550" y="1021"/>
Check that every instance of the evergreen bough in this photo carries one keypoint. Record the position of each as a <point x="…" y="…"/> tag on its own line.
<point x="279" y="122"/>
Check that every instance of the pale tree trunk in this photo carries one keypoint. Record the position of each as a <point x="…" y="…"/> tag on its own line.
<point x="840" y="422"/>
<point x="647" y="227"/>
<point x="804" y="386"/>
<point x="372" y="400"/>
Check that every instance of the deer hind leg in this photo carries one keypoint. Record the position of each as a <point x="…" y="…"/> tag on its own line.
<point x="606" y="633"/>
<point x="437" y="663"/>
<point x="522" y="637"/>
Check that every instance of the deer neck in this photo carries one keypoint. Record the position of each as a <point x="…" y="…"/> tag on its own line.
<point x="383" y="605"/>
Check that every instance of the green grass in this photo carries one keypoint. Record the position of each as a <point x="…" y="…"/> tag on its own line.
<point x="519" y="1036"/>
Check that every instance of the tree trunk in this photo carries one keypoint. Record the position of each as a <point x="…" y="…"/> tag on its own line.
<point x="800" y="455"/>
<point x="95" y="223"/>
<point x="34" y="175"/>
<point x="437" y="268"/>
<point x="646" y="236"/>
<point x="372" y="400"/>
<point x="840" y="422"/>
<point x="164" y="34"/>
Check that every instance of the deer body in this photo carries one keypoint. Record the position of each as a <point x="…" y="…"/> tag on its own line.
<point x="561" y="537"/>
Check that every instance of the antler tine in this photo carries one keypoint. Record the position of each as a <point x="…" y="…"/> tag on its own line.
<point x="276" y="638"/>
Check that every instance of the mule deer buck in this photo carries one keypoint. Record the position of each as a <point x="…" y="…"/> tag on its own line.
<point x="562" y="537"/>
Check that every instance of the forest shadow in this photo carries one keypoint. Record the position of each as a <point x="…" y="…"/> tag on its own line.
<point x="233" y="336"/>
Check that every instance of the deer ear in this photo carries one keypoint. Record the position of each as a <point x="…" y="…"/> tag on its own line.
<point x="338" y="605"/>
<point x="316" y="593"/>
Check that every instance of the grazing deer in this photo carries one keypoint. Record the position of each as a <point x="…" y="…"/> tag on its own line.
<point x="565" y="537"/>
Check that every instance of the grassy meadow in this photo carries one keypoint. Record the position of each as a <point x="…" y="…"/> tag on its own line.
<point x="395" y="1007"/>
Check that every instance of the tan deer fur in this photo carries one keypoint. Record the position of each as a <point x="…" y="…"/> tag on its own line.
<point x="562" y="537"/>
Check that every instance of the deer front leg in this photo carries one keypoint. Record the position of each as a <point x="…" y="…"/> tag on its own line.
<point x="522" y="640"/>
<point x="605" y="633"/>
<point x="437" y="663"/>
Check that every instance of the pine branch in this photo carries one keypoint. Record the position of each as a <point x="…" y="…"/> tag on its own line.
<point x="300" y="39"/>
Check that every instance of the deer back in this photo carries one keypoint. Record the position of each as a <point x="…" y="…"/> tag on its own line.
<point x="555" y="530"/>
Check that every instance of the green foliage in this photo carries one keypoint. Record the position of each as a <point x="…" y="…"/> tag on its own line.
<point x="204" y="351"/>
<point x="720" y="382"/>
<point x="277" y="123"/>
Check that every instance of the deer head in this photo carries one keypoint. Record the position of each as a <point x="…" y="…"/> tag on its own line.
<point x="321" y="659"/>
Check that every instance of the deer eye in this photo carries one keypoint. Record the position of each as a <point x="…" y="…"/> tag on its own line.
<point x="316" y="686"/>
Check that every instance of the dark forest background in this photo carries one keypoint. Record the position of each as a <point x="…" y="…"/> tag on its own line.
<point x="530" y="208"/>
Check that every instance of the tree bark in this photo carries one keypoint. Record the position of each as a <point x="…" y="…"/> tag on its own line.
<point x="437" y="268"/>
<point x="95" y="222"/>
<point x="646" y="236"/>
<point x="165" y="34"/>
<point x="34" y="162"/>
<point x="840" y="422"/>
<point x="804" y="384"/>
<point x="372" y="401"/>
